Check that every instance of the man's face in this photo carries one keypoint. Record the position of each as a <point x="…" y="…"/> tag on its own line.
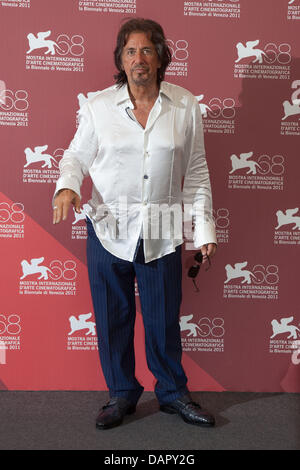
<point x="140" y="60"/>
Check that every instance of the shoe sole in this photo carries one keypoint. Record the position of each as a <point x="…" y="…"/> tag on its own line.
<point x="171" y="411"/>
<point x="130" y="411"/>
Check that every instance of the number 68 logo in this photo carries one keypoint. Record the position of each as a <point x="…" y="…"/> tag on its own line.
<point x="214" y="327"/>
<point x="73" y="45"/>
<point x="10" y="324"/>
<point x="266" y="274"/>
<point x="16" y="100"/>
<point x="178" y="49"/>
<point x="13" y="213"/>
<point x="60" y="270"/>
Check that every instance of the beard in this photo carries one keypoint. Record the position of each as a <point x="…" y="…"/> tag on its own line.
<point x="141" y="77"/>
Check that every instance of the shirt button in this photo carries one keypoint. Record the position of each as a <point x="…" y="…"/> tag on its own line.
<point x="146" y="177"/>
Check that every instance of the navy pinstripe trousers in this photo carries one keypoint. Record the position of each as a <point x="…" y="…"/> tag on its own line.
<point x="113" y="293"/>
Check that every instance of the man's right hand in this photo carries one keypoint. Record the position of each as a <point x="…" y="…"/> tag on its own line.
<point x="62" y="202"/>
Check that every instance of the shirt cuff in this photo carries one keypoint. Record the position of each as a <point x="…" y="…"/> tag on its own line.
<point x="204" y="235"/>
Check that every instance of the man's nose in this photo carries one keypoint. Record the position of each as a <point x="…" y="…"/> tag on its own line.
<point x="139" y="56"/>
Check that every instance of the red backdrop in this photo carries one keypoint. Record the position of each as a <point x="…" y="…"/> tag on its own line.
<point x="241" y="59"/>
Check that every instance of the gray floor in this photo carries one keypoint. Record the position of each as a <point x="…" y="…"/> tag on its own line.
<point x="65" y="420"/>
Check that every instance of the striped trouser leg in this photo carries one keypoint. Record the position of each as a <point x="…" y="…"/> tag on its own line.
<point x="160" y="289"/>
<point x="112" y="288"/>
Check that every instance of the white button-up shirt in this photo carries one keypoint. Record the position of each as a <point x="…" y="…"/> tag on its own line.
<point x="143" y="179"/>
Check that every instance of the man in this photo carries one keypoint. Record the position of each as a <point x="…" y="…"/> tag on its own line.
<point x="137" y="140"/>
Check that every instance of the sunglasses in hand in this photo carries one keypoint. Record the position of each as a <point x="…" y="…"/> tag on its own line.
<point x="194" y="270"/>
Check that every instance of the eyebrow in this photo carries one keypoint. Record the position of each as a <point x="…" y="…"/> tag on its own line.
<point x="142" y="48"/>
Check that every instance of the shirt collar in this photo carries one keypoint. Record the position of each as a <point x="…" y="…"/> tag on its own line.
<point x="165" y="90"/>
<point x="122" y="94"/>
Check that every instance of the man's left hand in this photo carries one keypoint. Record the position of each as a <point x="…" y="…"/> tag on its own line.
<point x="208" y="250"/>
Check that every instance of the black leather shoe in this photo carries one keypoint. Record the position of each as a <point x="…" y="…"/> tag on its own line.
<point x="190" y="411"/>
<point x="113" y="412"/>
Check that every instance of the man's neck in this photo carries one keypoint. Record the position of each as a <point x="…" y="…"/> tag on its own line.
<point x="143" y="94"/>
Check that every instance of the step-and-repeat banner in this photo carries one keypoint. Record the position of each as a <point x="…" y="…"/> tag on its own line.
<point x="240" y="58"/>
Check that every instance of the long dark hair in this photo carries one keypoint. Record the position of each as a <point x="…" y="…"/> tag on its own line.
<point x="156" y="35"/>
